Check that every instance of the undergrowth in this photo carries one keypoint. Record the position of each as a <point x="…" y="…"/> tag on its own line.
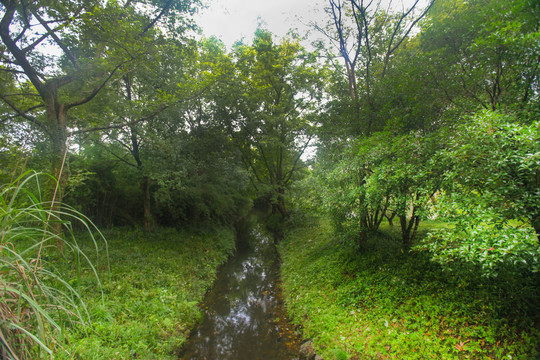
<point x="37" y="302"/>
<point x="380" y="302"/>
<point x="151" y="294"/>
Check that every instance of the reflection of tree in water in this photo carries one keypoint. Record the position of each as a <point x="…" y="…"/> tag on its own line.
<point x="241" y="308"/>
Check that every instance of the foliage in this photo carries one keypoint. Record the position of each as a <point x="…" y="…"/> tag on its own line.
<point x="499" y="159"/>
<point x="492" y="194"/>
<point x="481" y="241"/>
<point x="36" y="299"/>
<point x="151" y="293"/>
<point x="207" y="181"/>
<point x="352" y="197"/>
<point x="483" y="54"/>
<point x="108" y="193"/>
<point x="278" y="87"/>
<point x="386" y="303"/>
<point x="383" y="175"/>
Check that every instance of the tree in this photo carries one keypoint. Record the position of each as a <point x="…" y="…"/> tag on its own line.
<point x="96" y="41"/>
<point x="357" y="195"/>
<point x="367" y="39"/>
<point x="277" y="89"/>
<point x="381" y="175"/>
<point x="484" y="54"/>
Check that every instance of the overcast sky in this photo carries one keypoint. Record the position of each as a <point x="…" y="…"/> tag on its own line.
<point x="232" y="20"/>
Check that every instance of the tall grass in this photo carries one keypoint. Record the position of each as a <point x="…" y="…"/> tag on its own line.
<point x="36" y="301"/>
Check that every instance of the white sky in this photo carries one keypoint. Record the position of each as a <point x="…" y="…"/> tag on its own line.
<point x="232" y="20"/>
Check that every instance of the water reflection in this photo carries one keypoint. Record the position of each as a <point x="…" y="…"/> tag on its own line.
<point x="243" y="317"/>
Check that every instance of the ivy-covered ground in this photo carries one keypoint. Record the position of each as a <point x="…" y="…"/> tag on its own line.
<point x="150" y="295"/>
<point x="380" y="302"/>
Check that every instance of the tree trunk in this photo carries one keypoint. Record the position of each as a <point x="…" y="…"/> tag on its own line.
<point x="280" y="205"/>
<point x="409" y="228"/>
<point x="57" y="116"/>
<point x="148" y="219"/>
<point x="536" y="225"/>
<point x="391" y="218"/>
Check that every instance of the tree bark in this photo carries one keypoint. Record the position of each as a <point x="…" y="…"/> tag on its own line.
<point x="409" y="228"/>
<point x="56" y="121"/>
<point x="536" y="226"/>
<point x="391" y="218"/>
<point x="148" y="219"/>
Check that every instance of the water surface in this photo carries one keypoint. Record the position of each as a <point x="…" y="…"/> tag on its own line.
<point x="243" y="313"/>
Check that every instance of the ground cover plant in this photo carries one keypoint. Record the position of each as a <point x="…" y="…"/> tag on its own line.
<point x="380" y="302"/>
<point x="150" y="295"/>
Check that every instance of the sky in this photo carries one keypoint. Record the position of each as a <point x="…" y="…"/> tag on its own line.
<point x="232" y="20"/>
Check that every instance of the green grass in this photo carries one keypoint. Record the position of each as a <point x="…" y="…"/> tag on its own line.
<point x="149" y="299"/>
<point x="380" y="302"/>
<point x="36" y="300"/>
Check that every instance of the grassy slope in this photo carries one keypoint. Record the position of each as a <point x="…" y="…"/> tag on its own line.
<point x="382" y="303"/>
<point x="150" y="295"/>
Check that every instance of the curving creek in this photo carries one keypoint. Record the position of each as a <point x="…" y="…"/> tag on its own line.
<point x="243" y="313"/>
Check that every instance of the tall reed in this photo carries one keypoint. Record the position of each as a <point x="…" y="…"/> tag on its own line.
<point x="36" y="300"/>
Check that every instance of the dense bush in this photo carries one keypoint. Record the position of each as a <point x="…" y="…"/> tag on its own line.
<point x="491" y="196"/>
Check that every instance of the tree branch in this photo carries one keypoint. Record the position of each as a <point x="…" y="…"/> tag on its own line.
<point x="113" y="154"/>
<point x="390" y="51"/>
<point x="24" y="114"/>
<point x="97" y="89"/>
<point x="19" y="55"/>
<point x="162" y="12"/>
<point x="289" y="177"/>
<point x="119" y="126"/>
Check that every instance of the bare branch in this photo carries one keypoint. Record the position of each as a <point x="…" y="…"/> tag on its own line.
<point x="56" y="39"/>
<point x="24" y="113"/>
<point x="412" y="25"/>
<point x="122" y="125"/>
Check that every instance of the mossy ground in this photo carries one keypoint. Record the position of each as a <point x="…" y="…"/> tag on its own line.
<point x="151" y="294"/>
<point x="380" y="302"/>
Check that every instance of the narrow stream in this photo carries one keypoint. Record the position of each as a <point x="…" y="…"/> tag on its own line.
<point x="243" y="313"/>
